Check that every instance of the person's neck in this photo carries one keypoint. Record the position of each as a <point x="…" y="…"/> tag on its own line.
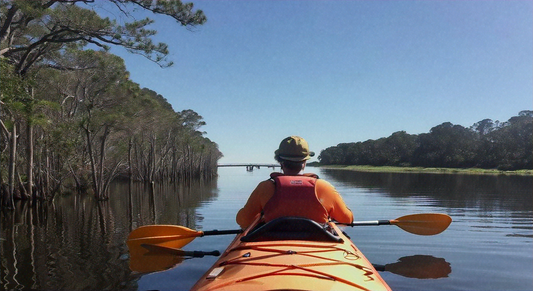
<point x="292" y="173"/>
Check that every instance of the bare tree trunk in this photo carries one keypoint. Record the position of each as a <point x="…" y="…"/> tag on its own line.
<point x="152" y="158"/>
<point x="77" y="180"/>
<point x="10" y="203"/>
<point x="98" y="169"/>
<point x="93" y="162"/>
<point x="110" y="176"/>
<point x="22" y="193"/>
<point x="101" y="179"/>
<point x="29" y="149"/>
<point x="174" y="172"/>
<point x="47" y="173"/>
<point x="130" y="165"/>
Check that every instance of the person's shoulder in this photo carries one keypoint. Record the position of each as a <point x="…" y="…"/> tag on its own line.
<point x="264" y="187"/>
<point x="266" y="183"/>
<point x="324" y="183"/>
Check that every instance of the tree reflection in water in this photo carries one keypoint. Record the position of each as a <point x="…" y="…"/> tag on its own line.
<point x="486" y="192"/>
<point x="76" y="243"/>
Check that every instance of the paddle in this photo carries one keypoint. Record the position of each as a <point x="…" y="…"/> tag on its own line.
<point x="421" y="224"/>
<point x="156" y="234"/>
<point x="178" y="236"/>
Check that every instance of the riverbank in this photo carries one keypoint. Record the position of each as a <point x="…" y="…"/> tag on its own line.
<point x="389" y="169"/>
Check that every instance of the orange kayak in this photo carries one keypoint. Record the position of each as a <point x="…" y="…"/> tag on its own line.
<point x="292" y="254"/>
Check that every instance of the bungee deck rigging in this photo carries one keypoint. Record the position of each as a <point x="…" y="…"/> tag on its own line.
<point x="283" y="269"/>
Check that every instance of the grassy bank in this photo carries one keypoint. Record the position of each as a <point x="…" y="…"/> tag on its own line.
<point x="388" y="169"/>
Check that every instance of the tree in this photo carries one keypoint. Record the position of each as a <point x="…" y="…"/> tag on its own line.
<point x="510" y="147"/>
<point x="446" y="145"/>
<point x="486" y="144"/>
<point x="99" y="92"/>
<point x="400" y="147"/>
<point x="34" y="31"/>
<point x="12" y="102"/>
<point x="484" y="126"/>
<point x="331" y="156"/>
<point x="40" y="34"/>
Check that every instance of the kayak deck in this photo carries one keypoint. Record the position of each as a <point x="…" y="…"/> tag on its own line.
<point x="281" y="256"/>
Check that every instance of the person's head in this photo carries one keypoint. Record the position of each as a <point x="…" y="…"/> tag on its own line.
<point x="293" y="153"/>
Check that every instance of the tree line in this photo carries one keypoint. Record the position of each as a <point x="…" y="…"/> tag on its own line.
<point x="70" y="117"/>
<point x="486" y="144"/>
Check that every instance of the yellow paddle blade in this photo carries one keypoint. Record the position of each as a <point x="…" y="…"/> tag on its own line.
<point x="167" y="236"/>
<point x="163" y="230"/>
<point x="423" y="223"/>
<point x="178" y="236"/>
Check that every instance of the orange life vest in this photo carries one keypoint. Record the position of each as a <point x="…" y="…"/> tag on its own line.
<point x="295" y="196"/>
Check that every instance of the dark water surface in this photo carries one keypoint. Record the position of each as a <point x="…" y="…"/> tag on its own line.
<point x="75" y="243"/>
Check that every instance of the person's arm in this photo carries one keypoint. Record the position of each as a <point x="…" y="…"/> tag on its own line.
<point x="333" y="202"/>
<point x="262" y="193"/>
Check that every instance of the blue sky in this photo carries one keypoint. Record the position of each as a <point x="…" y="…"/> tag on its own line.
<point x="342" y="71"/>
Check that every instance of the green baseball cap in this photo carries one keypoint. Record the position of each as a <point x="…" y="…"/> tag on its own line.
<point x="294" y="148"/>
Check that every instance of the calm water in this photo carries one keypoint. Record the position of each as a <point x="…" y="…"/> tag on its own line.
<point x="75" y="243"/>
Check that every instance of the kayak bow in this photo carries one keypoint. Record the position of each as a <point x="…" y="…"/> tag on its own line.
<point x="291" y="253"/>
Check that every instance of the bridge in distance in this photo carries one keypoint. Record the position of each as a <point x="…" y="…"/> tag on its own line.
<point x="249" y="166"/>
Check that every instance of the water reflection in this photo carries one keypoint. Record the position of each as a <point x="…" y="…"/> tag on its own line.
<point x="148" y="262"/>
<point x="420" y="267"/>
<point x="76" y="243"/>
<point x="485" y="192"/>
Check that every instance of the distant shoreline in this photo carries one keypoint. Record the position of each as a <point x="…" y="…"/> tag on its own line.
<point x="390" y="169"/>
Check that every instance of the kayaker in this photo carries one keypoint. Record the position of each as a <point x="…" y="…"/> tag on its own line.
<point x="293" y="193"/>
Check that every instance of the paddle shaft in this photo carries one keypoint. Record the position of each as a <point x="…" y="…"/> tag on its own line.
<point x="221" y="232"/>
<point x="370" y="223"/>
<point x="355" y="223"/>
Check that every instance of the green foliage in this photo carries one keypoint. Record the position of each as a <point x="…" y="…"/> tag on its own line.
<point x="76" y="109"/>
<point x="13" y="87"/>
<point x="486" y="144"/>
<point x="34" y="32"/>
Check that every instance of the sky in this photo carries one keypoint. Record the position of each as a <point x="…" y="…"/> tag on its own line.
<point x="341" y="71"/>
